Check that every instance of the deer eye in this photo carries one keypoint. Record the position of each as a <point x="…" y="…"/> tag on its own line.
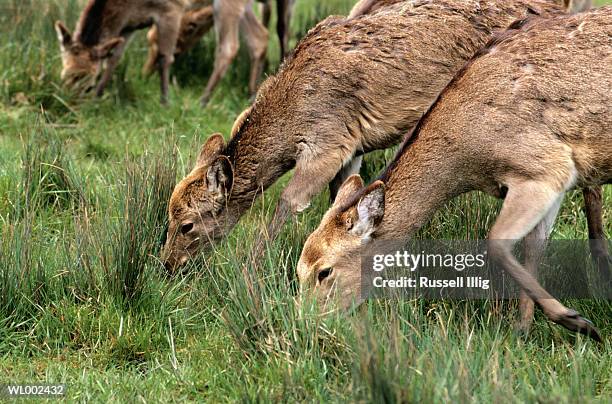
<point x="324" y="274"/>
<point x="186" y="228"/>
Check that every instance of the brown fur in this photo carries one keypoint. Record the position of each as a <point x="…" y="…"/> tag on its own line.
<point x="577" y="6"/>
<point x="528" y="118"/>
<point x="111" y="22"/>
<point x="364" y="7"/>
<point x="350" y="87"/>
<point x="194" y="24"/>
<point x="231" y="15"/>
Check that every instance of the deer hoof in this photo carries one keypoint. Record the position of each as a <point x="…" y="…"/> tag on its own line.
<point x="204" y="101"/>
<point x="522" y="328"/>
<point x="572" y="320"/>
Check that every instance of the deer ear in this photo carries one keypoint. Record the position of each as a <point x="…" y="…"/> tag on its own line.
<point x="63" y="34"/>
<point x="351" y="186"/>
<point x="211" y="149"/>
<point x="370" y="211"/>
<point x="220" y="178"/>
<point x="106" y="49"/>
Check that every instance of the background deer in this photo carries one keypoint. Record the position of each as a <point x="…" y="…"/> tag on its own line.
<point x="526" y="120"/>
<point x="194" y="24"/>
<point x="105" y="26"/>
<point x="350" y="87"/>
<point x="101" y="35"/>
<point x="231" y="16"/>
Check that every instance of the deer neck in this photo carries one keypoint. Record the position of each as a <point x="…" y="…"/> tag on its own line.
<point x="421" y="180"/>
<point x="258" y="161"/>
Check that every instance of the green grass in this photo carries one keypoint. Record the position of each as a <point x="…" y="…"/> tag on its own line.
<point x="83" y="300"/>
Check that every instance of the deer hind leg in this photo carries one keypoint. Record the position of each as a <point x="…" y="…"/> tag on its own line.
<point x="535" y="243"/>
<point x="256" y="36"/>
<point x="111" y="65"/>
<point x="527" y="203"/>
<point x="227" y="19"/>
<point x="168" y="30"/>
<point x="352" y="167"/>
<point x="593" y="203"/>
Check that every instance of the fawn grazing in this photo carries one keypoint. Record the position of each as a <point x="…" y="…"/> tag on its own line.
<point x="351" y="86"/>
<point x="526" y="120"/>
<point x="105" y="26"/>
<point x="102" y="33"/>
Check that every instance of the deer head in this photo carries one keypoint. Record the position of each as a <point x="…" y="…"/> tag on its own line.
<point x="198" y="210"/>
<point x="81" y="64"/>
<point x="329" y="269"/>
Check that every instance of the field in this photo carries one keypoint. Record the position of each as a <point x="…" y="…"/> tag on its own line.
<point x="84" y="300"/>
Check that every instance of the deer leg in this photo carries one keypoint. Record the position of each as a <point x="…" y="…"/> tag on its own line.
<point x="153" y="52"/>
<point x="526" y="204"/>
<point x="535" y="243"/>
<point x="111" y="65"/>
<point x="593" y="203"/>
<point x="310" y="177"/>
<point x="284" y="11"/>
<point x="257" y="40"/>
<point x="227" y="20"/>
<point x="266" y="13"/>
<point x="168" y="31"/>
<point x="352" y="167"/>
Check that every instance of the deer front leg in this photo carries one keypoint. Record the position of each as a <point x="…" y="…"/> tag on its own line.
<point x="352" y="167"/>
<point x="593" y="203"/>
<point x="527" y="203"/>
<point x="256" y="36"/>
<point x="153" y="52"/>
<point x="111" y="65"/>
<point x="227" y="19"/>
<point x="310" y="177"/>
<point x="167" y="34"/>
<point x="535" y="244"/>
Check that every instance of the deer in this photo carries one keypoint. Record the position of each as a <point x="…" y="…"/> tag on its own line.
<point x="351" y="86"/>
<point x="102" y="33"/>
<point x="231" y="16"/>
<point x="194" y="24"/>
<point x="105" y="27"/>
<point x="519" y="122"/>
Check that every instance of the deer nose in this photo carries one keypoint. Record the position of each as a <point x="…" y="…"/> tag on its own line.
<point x="172" y="265"/>
<point x="168" y="267"/>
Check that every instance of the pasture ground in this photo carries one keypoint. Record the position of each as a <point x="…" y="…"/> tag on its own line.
<point x="83" y="191"/>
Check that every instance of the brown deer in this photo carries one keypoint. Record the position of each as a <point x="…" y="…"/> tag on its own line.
<point x="526" y="120"/>
<point x="194" y="24"/>
<point x="101" y="35"/>
<point x="230" y="16"/>
<point x="350" y="87"/>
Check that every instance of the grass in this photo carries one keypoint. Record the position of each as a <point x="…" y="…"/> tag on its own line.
<point x="83" y="300"/>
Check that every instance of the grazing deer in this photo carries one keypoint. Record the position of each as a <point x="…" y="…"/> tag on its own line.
<point x="350" y="87"/>
<point x="230" y="17"/>
<point x="101" y="35"/>
<point x="526" y="120"/>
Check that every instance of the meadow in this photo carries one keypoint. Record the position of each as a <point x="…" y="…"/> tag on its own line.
<point x="84" y="300"/>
